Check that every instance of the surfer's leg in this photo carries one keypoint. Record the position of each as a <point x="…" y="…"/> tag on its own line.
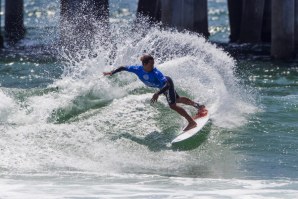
<point x="182" y="112"/>
<point x="172" y="98"/>
<point x="202" y="111"/>
<point x="187" y="101"/>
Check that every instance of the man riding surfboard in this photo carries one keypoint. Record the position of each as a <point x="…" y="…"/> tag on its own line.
<point x="152" y="77"/>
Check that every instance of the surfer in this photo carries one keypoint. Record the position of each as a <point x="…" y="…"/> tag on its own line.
<point x="152" y="77"/>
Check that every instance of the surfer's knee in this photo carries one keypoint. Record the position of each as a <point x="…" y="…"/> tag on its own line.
<point x="173" y="106"/>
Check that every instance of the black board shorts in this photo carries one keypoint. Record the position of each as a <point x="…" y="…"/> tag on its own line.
<point x="171" y="93"/>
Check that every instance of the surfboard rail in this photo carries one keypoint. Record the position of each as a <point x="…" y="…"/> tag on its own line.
<point x="201" y="122"/>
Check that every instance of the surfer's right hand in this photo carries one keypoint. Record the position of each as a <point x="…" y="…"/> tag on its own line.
<point x="154" y="98"/>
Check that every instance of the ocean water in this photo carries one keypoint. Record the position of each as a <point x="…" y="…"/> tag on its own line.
<point x="68" y="132"/>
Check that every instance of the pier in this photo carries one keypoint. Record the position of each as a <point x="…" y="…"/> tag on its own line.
<point x="257" y="22"/>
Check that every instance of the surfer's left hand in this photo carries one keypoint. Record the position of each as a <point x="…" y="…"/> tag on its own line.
<point x="107" y="73"/>
<point x="154" y="98"/>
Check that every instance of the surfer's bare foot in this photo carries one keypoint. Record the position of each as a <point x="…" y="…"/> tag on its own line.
<point x="202" y="112"/>
<point x="202" y="107"/>
<point x="190" y="126"/>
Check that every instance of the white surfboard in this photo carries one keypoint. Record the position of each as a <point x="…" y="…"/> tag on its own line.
<point x="190" y="133"/>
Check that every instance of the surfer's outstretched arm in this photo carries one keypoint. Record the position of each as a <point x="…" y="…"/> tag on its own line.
<point x="119" y="69"/>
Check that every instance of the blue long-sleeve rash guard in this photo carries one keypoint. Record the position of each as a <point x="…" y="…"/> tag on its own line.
<point x="153" y="78"/>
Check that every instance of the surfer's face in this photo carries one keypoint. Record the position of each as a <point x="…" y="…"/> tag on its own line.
<point x="148" y="66"/>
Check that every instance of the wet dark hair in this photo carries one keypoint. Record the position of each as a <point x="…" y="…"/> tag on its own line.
<point x="146" y="58"/>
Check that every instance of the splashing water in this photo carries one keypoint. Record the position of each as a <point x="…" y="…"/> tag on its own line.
<point x="89" y="122"/>
<point x="203" y="71"/>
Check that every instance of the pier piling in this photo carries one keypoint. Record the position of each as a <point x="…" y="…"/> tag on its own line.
<point x="166" y="12"/>
<point x="235" y="14"/>
<point x="151" y="9"/>
<point x="283" y="42"/>
<point x="78" y="19"/>
<point x="201" y="17"/>
<point x="97" y="9"/>
<point x="1" y="36"/>
<point x="266" y="26"/>
<point x="296" y="24"/>
<point x="188" y="14"/>
<point x="251" y="21"/>
<point x="14" y="20"/>
<point x="183" y="14"/>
